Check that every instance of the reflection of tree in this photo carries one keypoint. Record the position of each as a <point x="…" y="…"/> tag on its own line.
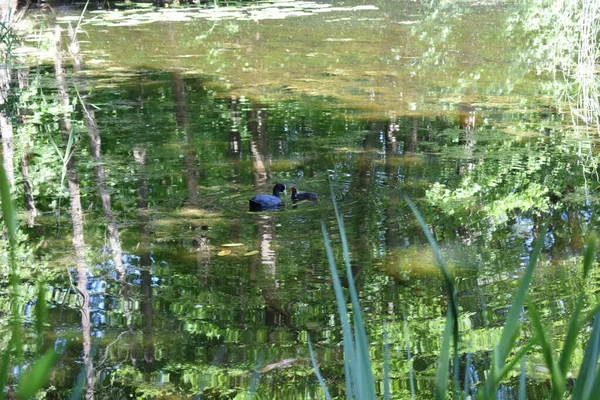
<point x="391" y="174"/>
<point x="23" y="78"/>
<point x="257" y="126"/>
<point x="76" y="216"/>
<point x="565" y="43"/>
<point x="189" y="158"/>
<point x="466" y="126"/>
<point x="145" y="267"/>
<point x="93" y="132"/>
<point x="235" y="143"/>
<point x="411" y="138"/>
<point x="190" y="165"/>
<point x="9" y="144"/>
<point x="515" y="178"/>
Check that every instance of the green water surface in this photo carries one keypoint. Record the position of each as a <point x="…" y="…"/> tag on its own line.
<point x="365" y="103"/>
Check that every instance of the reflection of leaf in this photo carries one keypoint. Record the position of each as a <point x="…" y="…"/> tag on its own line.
<point x="251" y="253"/>
<point x="280" y="364"/>
<point x="225" y="252"/>
<point x="232" y="245"/>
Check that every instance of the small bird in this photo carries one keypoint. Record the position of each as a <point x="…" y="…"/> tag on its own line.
<point x="299" y="196"/>
<point x="264" y="202"/>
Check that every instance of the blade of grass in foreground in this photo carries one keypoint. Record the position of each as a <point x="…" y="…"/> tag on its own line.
<point x="255" y="378"/>
<point x="467" y="387"/>
<point x="574" y="324"/>
<point x="10" y="220"/>
<point x="365" y="382"/>
<point x="4" y="366"/>
<point x="411" y="374"/>
<point x="450" y="285"/>
<point x="560" y="368"/>
<point x="349" y="357"/>
<point x="441" y="379"/>
<point x="558" y="382"/>
<point x="41" y="314"/>
<point x="585" y="382"/>
<point x="386" y="364"/>
<point x="511" y="325"/>
<point x="316" y="368"/>
<point x="37" y="377"/>
<point x="522" y="380"/>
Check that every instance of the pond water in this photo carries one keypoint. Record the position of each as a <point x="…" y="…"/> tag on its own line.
<point x="362" y="103"/>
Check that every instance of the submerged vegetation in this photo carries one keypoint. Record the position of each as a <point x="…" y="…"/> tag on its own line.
<point x="132" y="142"/>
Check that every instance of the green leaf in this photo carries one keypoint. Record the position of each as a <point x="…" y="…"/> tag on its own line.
<point x="36" y="378"/>
<point x="449" y="283"/>
<point x="349" y="356"/>
<point x="574" y="324"/>
<point x="316" y="369"/>
<point x="522" y="380"/>
<point x="441" y="378"/>
<point x="584" y="385"/>
<point x="558" y="381"/>
<point x="589" y="255"/>
<point x="5" y="363"/>
<point x="8" y="211"/>
<point x="511" y="325"/>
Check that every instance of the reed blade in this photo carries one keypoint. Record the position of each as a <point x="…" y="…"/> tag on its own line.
<point x="441" y="379"/>
<point x="316" y="369"/>
<point x="585" y="383"/>
<point x="34" y="380"/>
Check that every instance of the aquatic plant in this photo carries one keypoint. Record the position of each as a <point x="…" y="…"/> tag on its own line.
<point x="507" y="355"/>
<point x="31" y="379"/>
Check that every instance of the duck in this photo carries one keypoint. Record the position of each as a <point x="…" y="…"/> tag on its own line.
<point x="263" y="202"/>
<point x="299" y="196"/>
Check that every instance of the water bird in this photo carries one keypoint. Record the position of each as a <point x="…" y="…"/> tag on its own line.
<point x="264" y="202"/>
<point x="299" y="196"/>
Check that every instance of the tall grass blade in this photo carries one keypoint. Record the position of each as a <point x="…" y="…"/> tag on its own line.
<point x="571" y="338"/>
<point x="595" y="391"/>
<point x="512" y="364"/>
<point x="80" y="383"/>
<point x="411" y="374"/>
<point x="77" y="392"/>
<point x="34" y="380"/>
<point x="522" y="380"/>
<point x="386" y="364"/>
<point x="41" y="313"/>
<point x="558" y="381"/>
<point x="441" y="379"/>
<point x="511" y="325"/>
<point x="574" y="326"/>
<point x="589" y="255"/>
<point x="349" y="356"/>
<point x="467" y="387"/>
<point x="255" y="378"/>
<point x="10" y="221"/>
<point x="585" y="383"/>
<point x="8" y="213"/>
<point x="365" y="381"/>
<point x="81" y="16"/>
<point x="449" y="283"/>
<point x="4" y="364"/>
<point x="316" y="368"/>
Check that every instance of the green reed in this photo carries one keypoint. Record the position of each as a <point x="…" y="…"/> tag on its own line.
<point x="30" y="380"/>
<point x="507" y="356"/>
